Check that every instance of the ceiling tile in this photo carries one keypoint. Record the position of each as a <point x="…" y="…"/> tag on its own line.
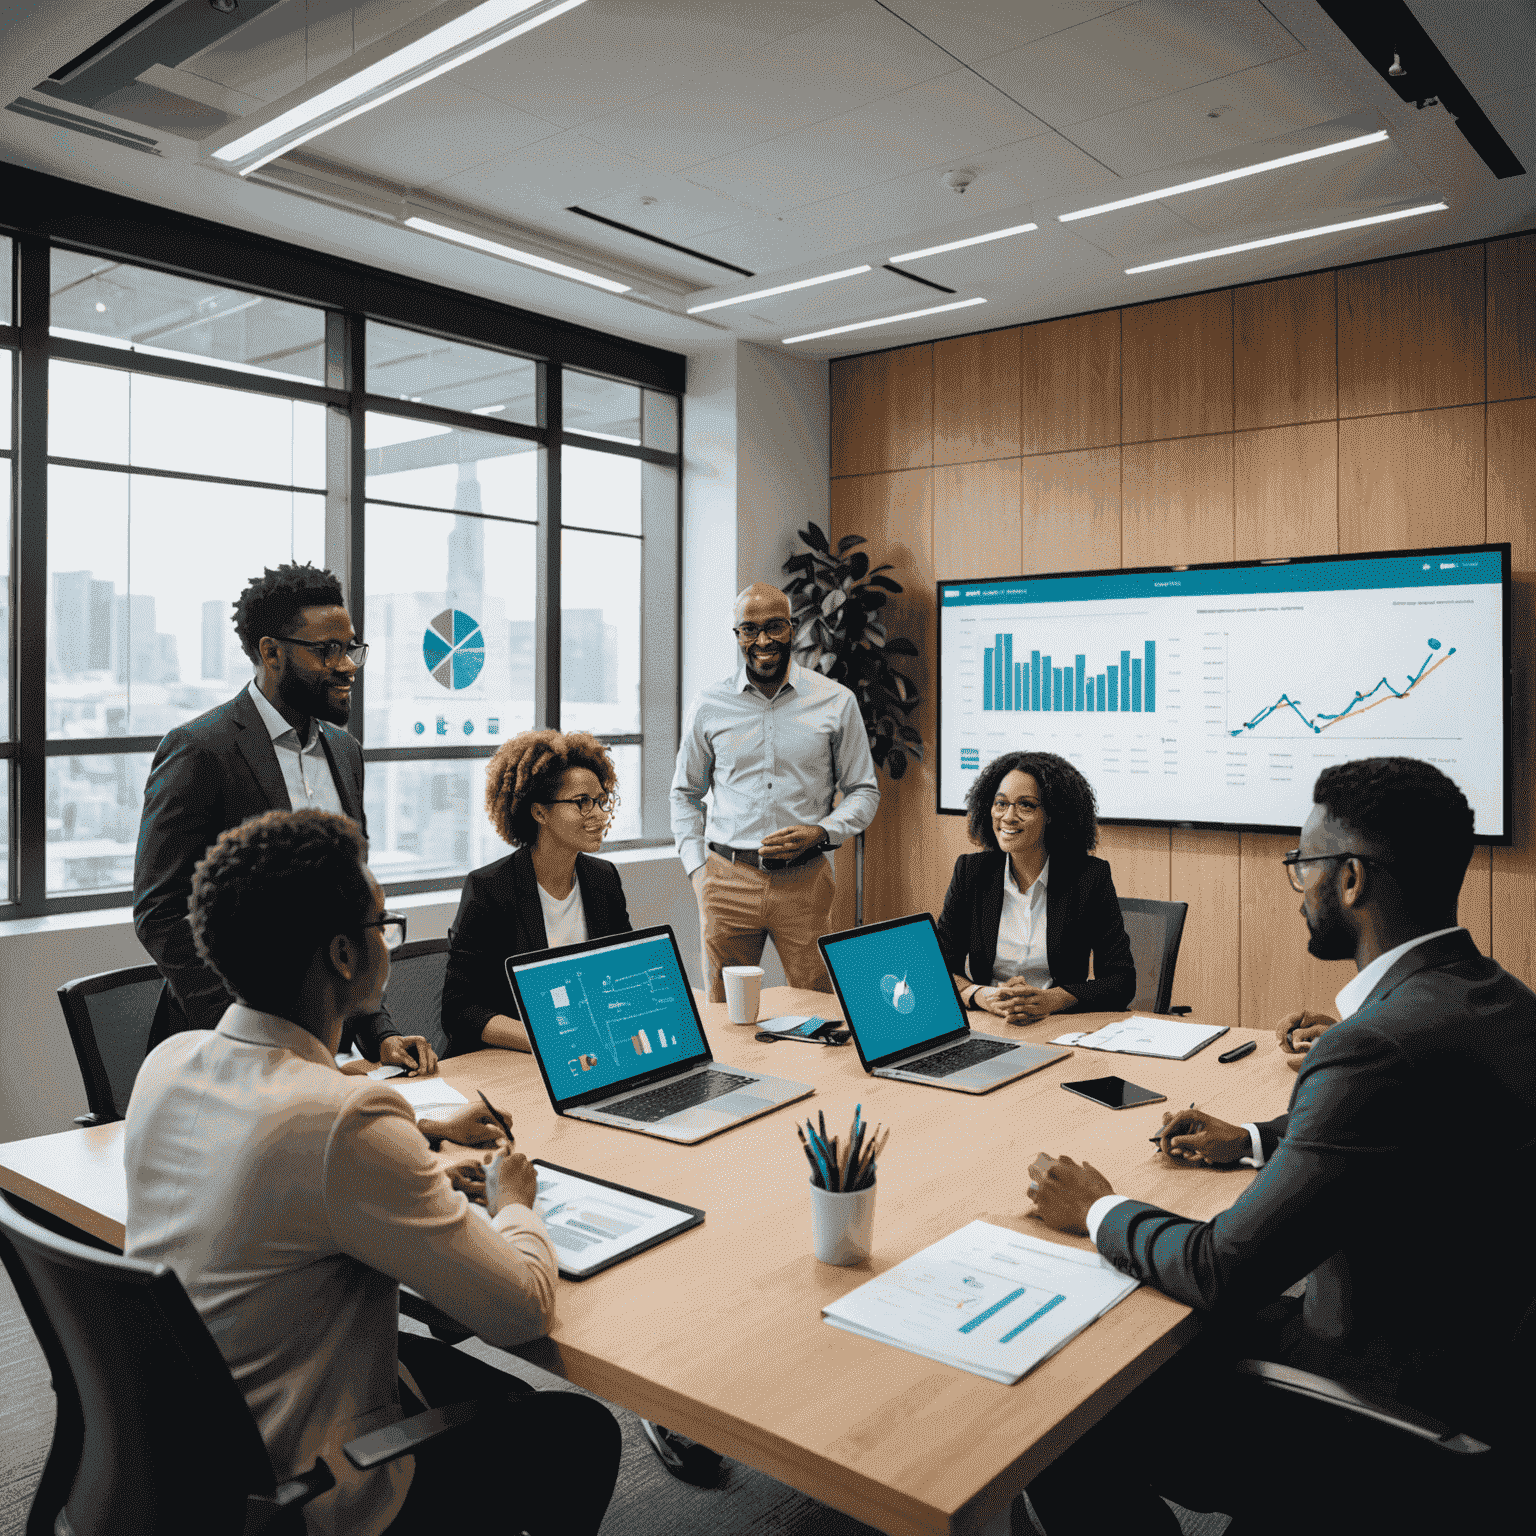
<point x="1463" y="31"/>
<point x="1137" y="54"/>
<point x="671" y="207"/>
<point x="264" y="58"/>
<point x="1130" y="233"/>
<point x="973" y="30"/>
<point x="565" y="168"/>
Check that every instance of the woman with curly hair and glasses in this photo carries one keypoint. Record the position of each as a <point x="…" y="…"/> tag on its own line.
<point x="1021" y="918"/>
<point x="551" y="796"/>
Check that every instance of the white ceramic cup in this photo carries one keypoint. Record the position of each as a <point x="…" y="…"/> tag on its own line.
<point x="842" y="1225"/>
<point x="743" y="989"/>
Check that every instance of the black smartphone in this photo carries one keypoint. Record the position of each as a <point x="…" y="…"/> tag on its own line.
<point x="1114" y="1092"/>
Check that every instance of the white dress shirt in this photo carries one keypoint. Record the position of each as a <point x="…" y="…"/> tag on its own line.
<point x="770" y="763"/>
<point x="1348" y="1001"/>
<point x="565" y="922"/>
<point x="305" y="767"/>
<point x="1021" y="930"/>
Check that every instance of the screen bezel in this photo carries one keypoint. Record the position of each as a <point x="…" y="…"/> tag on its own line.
<point x="610" y="1090"/>
<point x="912" y="919"/>
<point x="1496" y="840"/>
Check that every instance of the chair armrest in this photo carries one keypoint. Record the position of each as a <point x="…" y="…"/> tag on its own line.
<point x="1359" y="1404"/>
<point x="374" y="1449"/>
<point x="436" y="1321"/>
<point x="263" y="1510"/>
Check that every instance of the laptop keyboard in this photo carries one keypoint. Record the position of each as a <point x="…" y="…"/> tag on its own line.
<point x="967" y="1053"/>
<point x="685" y="1093"/>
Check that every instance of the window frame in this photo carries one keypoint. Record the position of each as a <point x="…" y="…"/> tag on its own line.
<point x="62" y="214"/>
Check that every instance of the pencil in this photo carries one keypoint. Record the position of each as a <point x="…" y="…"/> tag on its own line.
<point x="497" y="1113"/>
<point x="810" y="1156"/>
<point x="836" y="1184"/>
<point x="866" y="1159"/>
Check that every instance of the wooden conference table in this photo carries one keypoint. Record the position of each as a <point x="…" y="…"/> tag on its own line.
<point x="718" y="1332"/>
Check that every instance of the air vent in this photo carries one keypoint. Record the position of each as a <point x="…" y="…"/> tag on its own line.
<point x="58" y="118"/>
<point x="671" y="245"/>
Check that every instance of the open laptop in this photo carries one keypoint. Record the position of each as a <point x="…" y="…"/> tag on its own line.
<point x="617" y="1036"/>
<point x="907" y="1019"/>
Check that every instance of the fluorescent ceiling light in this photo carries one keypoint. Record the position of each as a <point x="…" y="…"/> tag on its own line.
<point x="863" y="325"/>
<point x="1237" y="175"/>
<point x="768" y="293"/>
<point x="511" y="253"/>
<point x="446" y="47"/>
<point x="955" y="245"/>
<point x="1300" y="234"/>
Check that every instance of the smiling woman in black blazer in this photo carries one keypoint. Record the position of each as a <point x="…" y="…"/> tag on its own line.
<point x="1022" y="918"/>
<point x="551" y="796"/>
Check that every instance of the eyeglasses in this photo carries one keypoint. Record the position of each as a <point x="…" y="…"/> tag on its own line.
<point x="393" y="926"/>
<point x="328" y="650"/>
<point x="1000" y="808"/>
<point x="775" y="629"/>
<point x="1296" y="857"/>
<point x="604" y="805"/>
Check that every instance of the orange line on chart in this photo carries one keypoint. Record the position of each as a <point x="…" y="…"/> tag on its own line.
<point x="1395" y="698"/>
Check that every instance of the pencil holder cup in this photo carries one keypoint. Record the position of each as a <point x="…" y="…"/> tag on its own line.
<point x="842" y="1225"/>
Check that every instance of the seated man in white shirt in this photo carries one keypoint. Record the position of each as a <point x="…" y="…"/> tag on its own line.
<point x="293" y="1200"/>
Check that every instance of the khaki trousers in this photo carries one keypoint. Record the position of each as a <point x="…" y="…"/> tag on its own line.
<point x="741" y="906"/>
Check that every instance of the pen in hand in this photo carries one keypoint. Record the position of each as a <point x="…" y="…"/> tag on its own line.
<point x="497" y="1116"/>
<point x="1158" y="1139"/>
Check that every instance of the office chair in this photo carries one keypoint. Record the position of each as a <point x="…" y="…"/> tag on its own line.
<point x="415" y="991"/>
<point x="109" y="1016"/>
<point x="1154" y="929"/>
<point x="152" y="1433"/>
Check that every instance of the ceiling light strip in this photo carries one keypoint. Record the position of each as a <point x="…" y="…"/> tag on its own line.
<point x="1224" y="176"/>
<point x="1300" y="234"/>
<point x="511" y="253"/>
<point x="477" y="31"/>
<point x="955" y="245"/>
<point x="864" y="325"/>
<point x="768" y="293"/>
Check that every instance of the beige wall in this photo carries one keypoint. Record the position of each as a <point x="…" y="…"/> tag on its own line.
<point x="1384" y="406"/>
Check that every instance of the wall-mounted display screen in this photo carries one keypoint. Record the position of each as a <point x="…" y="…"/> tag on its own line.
<point x="1213" y="695"/>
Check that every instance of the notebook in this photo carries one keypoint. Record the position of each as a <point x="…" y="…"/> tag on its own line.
<point x="1140" y="1035"/>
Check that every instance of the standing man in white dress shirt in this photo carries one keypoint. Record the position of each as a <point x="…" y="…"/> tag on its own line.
<point x="277" y="745"/>
<point x="772" y="745"/>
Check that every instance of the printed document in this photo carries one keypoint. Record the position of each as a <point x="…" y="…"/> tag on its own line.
<point x="987" y="1299"/>
<point x="1141" y="1035"/>
<point x="427" y="1096"/>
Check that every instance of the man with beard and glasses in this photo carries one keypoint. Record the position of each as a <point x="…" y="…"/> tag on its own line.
<point x="1411" y="1125"/>
<point x="775" y="743"/>
<point x="277" y="745"/>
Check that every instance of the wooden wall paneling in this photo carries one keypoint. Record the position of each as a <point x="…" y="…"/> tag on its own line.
<point x="1285" y="351"/>
<point x="1512" y="517"/>
<point x="976" y="397"/>
<point x="1140" y="860"/>
<point x="1176" y="504"/>
<point x="1278" y="976"/>
<point x="1285" y="491"/>
<point x="1069" y="510"/>
<point x="1475" y="909"/>
<point x="1411" y="333"/>
<point x="1204" y="870"/>
<point x="1177" y="379"/>
<point x="1512" y="318"/>
<point x="976" y="519"/>
<point x="1412" y="481"/>
<point x="882" y="411"/>
<point x="1069" y="374"/>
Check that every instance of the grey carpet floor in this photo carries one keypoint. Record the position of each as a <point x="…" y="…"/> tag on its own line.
<point x="647" y="1502"/>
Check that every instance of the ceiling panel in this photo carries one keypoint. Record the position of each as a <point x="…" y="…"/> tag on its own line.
<point x="973" y="30"/>
<point x="1028" y="258"/>
<point x="1490" y="45"/>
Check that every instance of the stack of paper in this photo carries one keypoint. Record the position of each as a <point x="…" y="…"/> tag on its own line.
<point x="427" y="1096"/>
<point x="1140" y="1035"/>
<point x="989" y="1300"/>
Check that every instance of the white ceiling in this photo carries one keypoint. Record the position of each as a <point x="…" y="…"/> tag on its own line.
<point x="799" y="137"/>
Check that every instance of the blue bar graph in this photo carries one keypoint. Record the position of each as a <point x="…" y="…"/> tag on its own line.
<point x="1018" y="685"/>
<point x="986" y="680"/>
<point x="1034" y="679"/>
<point x="1007" y="671"/>
<point x="1149" y="677"/>
<point x="1136" y="684"/>
<point x="1038" y="684"/>
<point x="1082" y="673"/>
<point x="1114" y="681"/>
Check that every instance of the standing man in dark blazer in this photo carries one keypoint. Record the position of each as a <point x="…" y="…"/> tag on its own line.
<point x="1417" y="1109"/>
<point x="277" y="745"/>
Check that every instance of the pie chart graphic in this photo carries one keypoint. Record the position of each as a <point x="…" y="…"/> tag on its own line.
<point x="898" y="994"/>
<point x="453" y="648"/>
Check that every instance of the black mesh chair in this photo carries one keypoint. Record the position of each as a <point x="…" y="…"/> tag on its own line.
<point x="1154" y="929"/>
<point x="415" y="991"/>
<point x="109" y="1016"/>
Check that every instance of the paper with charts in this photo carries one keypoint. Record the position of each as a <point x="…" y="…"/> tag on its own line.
<point x="989" y="1300"/>
<point x="1139" y="1035"/>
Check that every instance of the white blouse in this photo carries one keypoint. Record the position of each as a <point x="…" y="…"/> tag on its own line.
<point x="1021" y="931"/>
<point x="565" y="922"/>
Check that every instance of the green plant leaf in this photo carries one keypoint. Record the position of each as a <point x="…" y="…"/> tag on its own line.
<point x="858" y="565"/>
<point x="832" y="602"/>
<point x="901" y="646"/>
<point x="898" y="763"/>
<point x="849" y="541"/>
<point x="886" y="582"/>
<point x="813" y="536"/>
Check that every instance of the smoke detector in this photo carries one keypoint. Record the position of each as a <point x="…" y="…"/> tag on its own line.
<point x="958" y="181"/>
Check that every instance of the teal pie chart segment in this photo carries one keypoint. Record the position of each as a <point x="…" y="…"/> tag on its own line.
<point x="453" y="648"/>
<point x="898" y="994"/>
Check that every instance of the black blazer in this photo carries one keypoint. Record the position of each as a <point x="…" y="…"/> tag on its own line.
<point x="499" y="915"/>
<point x="1082" y="917"/>
<point x="207" y="775"/>
<point x="1413" y="1122"/>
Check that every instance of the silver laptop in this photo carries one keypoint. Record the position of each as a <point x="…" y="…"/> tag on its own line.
<point x="618" y="1039"/>
<point x="906" y="1017"/>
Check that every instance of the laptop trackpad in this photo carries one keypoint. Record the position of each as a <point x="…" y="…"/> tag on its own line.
<point x="704" y="1117"/>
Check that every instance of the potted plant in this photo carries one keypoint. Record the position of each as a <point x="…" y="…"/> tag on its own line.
<point x="836" y="598"/>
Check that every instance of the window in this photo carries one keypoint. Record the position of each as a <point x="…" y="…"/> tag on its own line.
<point x="198" y="431"/>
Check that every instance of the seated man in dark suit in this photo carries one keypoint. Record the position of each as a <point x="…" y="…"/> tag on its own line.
<point x="1434" y="1041"/>
<point x="277" y="745"/>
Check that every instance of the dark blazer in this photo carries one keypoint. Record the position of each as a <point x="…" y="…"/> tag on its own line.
<point x="499" y="915"/>
<point x="1399" y="1182"/>
<point x="1082" y="917"/>
<point x="209" y="774"/>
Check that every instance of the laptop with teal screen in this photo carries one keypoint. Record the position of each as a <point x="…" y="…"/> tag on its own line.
<point x="618" y="1040"/>
<point x="906" y="1017"/>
